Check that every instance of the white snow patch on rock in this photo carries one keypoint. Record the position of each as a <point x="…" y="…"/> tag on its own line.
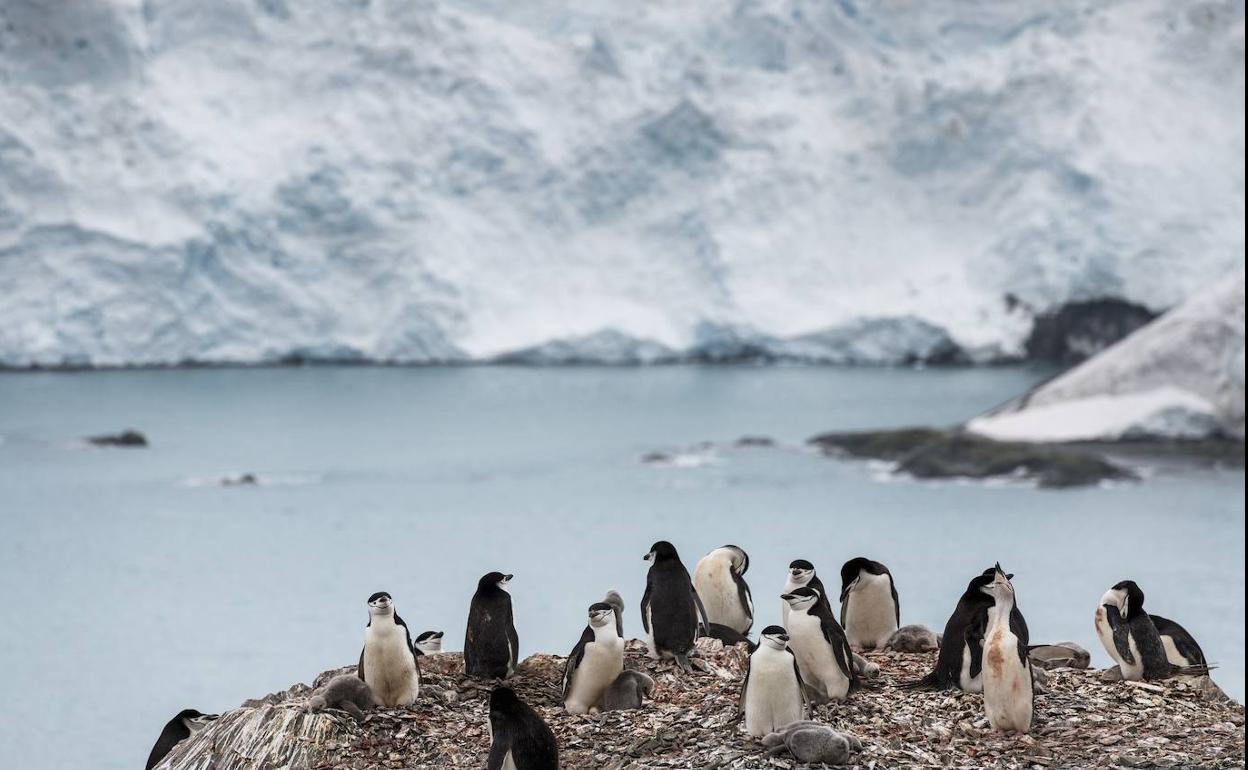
<point x="1168" y="412"/>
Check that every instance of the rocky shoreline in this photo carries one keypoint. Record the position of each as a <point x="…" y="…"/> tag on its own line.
<point x="1082" y="720"/>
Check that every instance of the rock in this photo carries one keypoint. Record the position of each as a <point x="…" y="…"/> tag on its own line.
<point x="244" y="480"/>
<point x="1060" y="655"/>
<point x="127" y="438"/>
<point x="1112" y="674"/>
<point x="912" y="638"/>
<point x="1077" y="331"/>
<point x="761" y="442"/>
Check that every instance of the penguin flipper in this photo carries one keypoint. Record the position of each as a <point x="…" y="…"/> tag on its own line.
<point x="498" y="755"/>
<point x="574" y="659"/>
<point x="703" y="623"/>
<point x="1121" y="633"/>
<point x="745" y="684"/>
<point x="896" y="600"/>
<point x="645" y="608"/>
<point x="359" y="669"/>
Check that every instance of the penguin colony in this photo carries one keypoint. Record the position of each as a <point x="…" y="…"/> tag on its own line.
<point x="805" y="661"/>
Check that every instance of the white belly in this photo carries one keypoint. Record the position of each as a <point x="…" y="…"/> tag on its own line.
<point x="815" y="658"/>
<point x="967" y="682"/>
<point x="870" y="615"/>
<point x="509" y="762"/>
<point x="773" y="698"/>
<point x="1172" y="653"/>
<point x="603" y="662"/>
<point x="388" y="665"/>
<point x="1106" y="635"/>
<point x="1007" y="683"/>
<point x="713" y="580"/>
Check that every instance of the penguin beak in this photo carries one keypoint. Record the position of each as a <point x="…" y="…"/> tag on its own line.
<point x="787" y="597"/>
<point x="648" y="557"/>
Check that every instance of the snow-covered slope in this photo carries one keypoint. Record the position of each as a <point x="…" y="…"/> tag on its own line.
<point x="251" y="180"/>
<point x="1181" y="376"/>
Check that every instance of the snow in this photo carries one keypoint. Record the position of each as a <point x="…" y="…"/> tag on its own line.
<point x="411" y="181"/>
<point x="1180" y="377"/>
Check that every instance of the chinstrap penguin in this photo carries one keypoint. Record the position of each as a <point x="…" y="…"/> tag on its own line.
<point x="771" y="693"/>
<point x="519" y="739"/>
<point x="870" y="609"/>
<point x="801" y="574"/>
<point x="1008" y="694"/>
<point x="595" y="662"/>
<point x="1131" y="638"/>
<point x="491" y="646"/>
<point x="824" y="659"/>
<point x="671" y="612"/>
<point x="1181" y="647"/>
<point x="348" y="693"/>
<point x="185" y="724"/>
<point x="387" y="662"/>
<point x="719" y="579"/>
<point x="628" y="691"/>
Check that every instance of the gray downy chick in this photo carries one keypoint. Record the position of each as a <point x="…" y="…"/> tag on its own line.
<point x="813" y="743"/>
<point x="912" y="639"/>
<point x="628" y="691"/>
<point x="346" y="692"/>
<point x="617" y="603"/>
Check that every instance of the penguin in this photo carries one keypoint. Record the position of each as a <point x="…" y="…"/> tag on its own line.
<point x="595" y="662"/>
<point x="811" y="743"/>
<point x="824" y="659"/>
<point x="719" y="580"/>
<point x="519" y="739"/>
<point x="617" y="603"/>
<point x="802" y="573"/>
<point x="185" y="724"/>
<point x="428" y="643"/>
<point x="870" y="610"/>
<point x="346" y="692"/>
<point x="1008" y="694"/>
<point x="1181" y="648"/>
<point x="491" y="646"/>
<point x="772" y="695"/>
<point x="1131" y="637"/>
<point x="628" y="691"/>
<point x="387" y="663"/>
<point x="671" y="611"/>
<point x="960" y="660"/>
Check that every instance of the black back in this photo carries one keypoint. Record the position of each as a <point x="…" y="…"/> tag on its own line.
<point x="965" y="629"/>
<point x="850" y="570"/>
<point x="174" y="732"/>
<point x="670" y="602"/>
<point x="1138" y="625"/>
<point x="519" y="729"/>
<point x="490" y="638"/>
<point x="835" y="636"/>
<point x="1184" y="642"/>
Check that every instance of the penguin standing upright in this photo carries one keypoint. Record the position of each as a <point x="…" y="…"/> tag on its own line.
<point x="183" y="725"/>
<point x="1131" y="638"/>
<point x="959" y="664"/>
<point x="670" y="608"/>
<point x="719" y="580"/>
<point x="870" y="610"/>
<point x="824" y="659"/>
<point x="772" y="695"/>
<point x="491" y="645"/>
<point x="595" y="662"/>
<point x="519" y="739"/>
<point x="802" y="574"/>
<point x="1008" y="693"/>
<point x="388" y="662"/>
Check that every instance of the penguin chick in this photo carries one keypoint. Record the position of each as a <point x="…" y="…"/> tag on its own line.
<point x="913" y="638"/>
<point x="813" y="743"/>
<point x="346" y="692"/>
<point x="617" y="603"/>
<point x="628" y="691"/>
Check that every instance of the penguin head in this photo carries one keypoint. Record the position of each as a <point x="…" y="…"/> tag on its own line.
<point x="494" y="580"/>
<point x="661" y="551"/>
<point x="740" y="559"/>
<point x="380" y="603"/>
<point x="1126" y="597"/>
<point x="852" y="570"/>
<point x="801" y="599"/>
<point x="801" y="571"/>
<point x="998" y="584"/>
<point x="429" y="642"/>
<point x="195" y="720"/>
<point x="601" y="614"/>
<point x="503" y="702"/>
<point x="775" y="637"/>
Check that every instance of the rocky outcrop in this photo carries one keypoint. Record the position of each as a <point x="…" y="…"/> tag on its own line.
<point x="692" y="722"/>
<point x="127" y="438"/>
<point x="1076" y="331"/>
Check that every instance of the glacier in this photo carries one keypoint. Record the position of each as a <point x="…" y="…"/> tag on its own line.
<point x="253" y="181"/>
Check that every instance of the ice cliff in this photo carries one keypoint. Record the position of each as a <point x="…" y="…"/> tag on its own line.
<point x="398" y="180"/>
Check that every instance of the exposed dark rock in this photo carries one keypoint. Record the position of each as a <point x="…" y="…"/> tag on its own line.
<point x="243" y="480"/>
<point x="925" y="453"/>
<point x="127" y="438"/>
<point x="1079" y="330"/>
<point x="756" y="441"/>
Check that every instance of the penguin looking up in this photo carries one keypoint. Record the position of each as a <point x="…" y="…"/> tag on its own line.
<point x="824" y="659"/>
<point x="491" y="645"/>
<point x="719" y="579"/>
<point x="1131" y="638"/>
<point x="183" y="725"/>
<point x="802" y="574"/>
<point x="595" y="662"/>
<point x="670" y="609"/>
<point x="870" y="610"/>
<point x="772" y="695"/>
<point x="387" y="662"/>
<point x="428" y="643"/>
<point x="519" y="739"/>
<point x="1008" y="694"/>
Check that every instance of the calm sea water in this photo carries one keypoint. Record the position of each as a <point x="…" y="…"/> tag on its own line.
<point x="134" y="585"/>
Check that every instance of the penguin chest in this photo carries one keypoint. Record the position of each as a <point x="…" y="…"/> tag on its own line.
<point x="389" y="668"/>
<point x="773" y="698"/>
<point x="815" y="657"/>
<point x="602" y="662"/>
<point x="870" y="614"/>
<point x="1007" y="682"/>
